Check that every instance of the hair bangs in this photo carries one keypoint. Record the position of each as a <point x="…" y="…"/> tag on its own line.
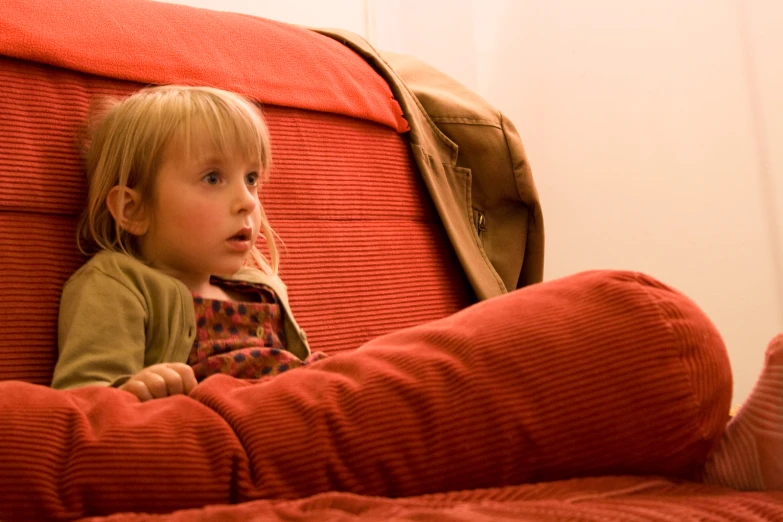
<point x="217" y="126"/>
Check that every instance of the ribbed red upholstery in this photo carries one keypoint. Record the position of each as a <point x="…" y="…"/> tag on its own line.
<point x="626" y="499"/>
<point x="601" y="373"/>
<point x="361" y="240"/>
<point x="164" y="43"/>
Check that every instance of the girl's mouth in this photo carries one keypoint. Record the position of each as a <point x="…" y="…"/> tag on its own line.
<point x="244" y="234"/>
<point x="239" y="243"/>
<point x="241" y="240"/>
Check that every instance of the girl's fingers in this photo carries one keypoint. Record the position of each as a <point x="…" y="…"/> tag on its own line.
<point x="138" y="388"/>
<point x="186" y="373"/>
<point x="155" y="382"/>
<point x="162" y="380"/>
<point x="172" y="380"/>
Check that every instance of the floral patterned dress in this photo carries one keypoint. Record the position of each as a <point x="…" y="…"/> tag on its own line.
<point x="245" y="339"/>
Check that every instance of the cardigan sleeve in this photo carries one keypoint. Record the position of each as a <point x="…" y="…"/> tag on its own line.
<point x="101" y="332"/>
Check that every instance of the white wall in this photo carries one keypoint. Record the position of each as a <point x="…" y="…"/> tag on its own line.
<point x="652" y="127"/>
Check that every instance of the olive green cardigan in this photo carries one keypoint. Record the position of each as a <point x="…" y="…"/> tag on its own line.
<point x="118" y="316"/>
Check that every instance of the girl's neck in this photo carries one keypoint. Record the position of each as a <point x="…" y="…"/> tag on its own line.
<point x="210" y="291"/>
<point x="199" y="286"/>
<point x="217" y="292"/>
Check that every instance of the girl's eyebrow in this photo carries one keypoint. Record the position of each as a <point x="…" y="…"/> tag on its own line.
<point x="210" y="160"/>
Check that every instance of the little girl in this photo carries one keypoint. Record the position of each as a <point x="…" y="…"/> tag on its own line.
<point x="173" y="210"/>
<point x="177" y="290"/>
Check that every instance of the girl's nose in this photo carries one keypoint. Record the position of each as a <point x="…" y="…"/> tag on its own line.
<point x="246" y="199"/>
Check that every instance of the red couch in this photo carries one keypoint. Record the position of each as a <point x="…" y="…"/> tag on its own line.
<point x="365" y="254"/>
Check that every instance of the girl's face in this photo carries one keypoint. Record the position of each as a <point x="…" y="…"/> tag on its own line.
<point x="205" y="216"/>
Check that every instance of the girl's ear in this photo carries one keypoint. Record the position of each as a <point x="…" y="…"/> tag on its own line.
<point x="125" y="206"/>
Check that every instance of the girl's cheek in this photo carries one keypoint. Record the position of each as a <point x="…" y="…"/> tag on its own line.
<point x="195" y="214"/>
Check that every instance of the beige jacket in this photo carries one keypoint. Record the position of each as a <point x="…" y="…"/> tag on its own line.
<point x="474" y="165"/>
<point x="118" y="316"/>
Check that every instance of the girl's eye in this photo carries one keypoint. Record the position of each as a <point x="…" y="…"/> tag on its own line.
<point x="212" y="178"/>
<point x="252" y="179"/>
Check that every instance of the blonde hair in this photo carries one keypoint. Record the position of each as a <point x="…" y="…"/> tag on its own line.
<point x="127" y="146"/>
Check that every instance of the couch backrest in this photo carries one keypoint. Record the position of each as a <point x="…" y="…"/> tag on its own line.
<point x="364" y="254"/>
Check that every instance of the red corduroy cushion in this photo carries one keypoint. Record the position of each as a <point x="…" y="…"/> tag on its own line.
<point x="601" y="373"/>
<point x="364" y="252"/>
<point x="162" y="43"/>
<point x="601" y="499"/>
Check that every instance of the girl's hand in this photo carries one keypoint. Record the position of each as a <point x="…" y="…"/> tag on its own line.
<point x="161" y="380"/>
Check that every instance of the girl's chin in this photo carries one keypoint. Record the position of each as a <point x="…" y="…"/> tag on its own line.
<point x="228" y="268"/>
